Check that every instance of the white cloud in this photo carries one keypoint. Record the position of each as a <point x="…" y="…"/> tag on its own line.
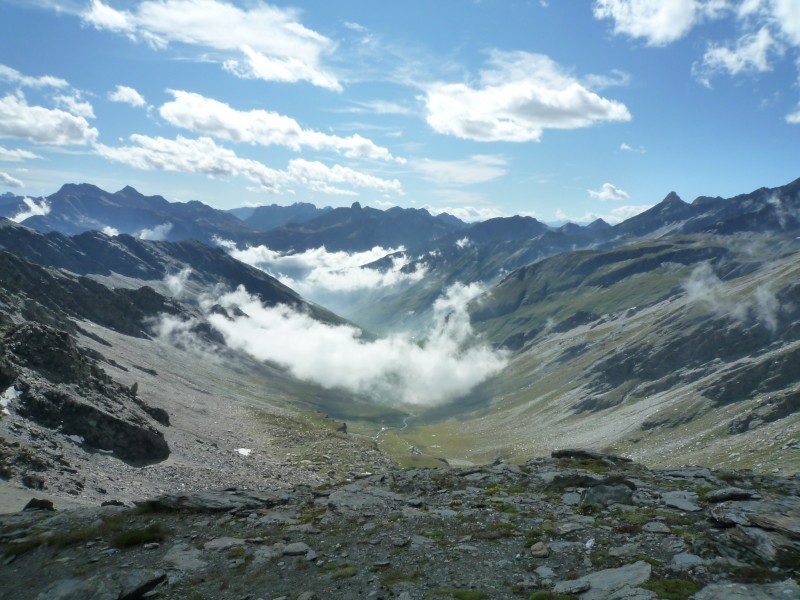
<point x="33" y="209"/>
<point x="396" y="369"/>
<point x="274" y="44"/>
<point x="516" y="99"/>
<point x="468" y="213"/>
<point x="127" y="95"/>
<point x="794" y="117"/>
<point x="316" y="176"/>
<point x="211" y="117"/>
<point x="609" y="192"/>
<point x="9" y="181"/>
<point x="18" y="78"/>
<point x="380" y="107"/>
<point x="176" y="283"/>
<point x="787" y="15"/>
<point x="158" y="233"/>
<point x="186" y="155"/>
<point x="16" y="155"/>
<point x="42" y="125"/>
<point x="102" y="16"/>
<point x="316" y="273"/>
<point x="204" y="156"/>
<point x="75" y="106"/>
<point x="475" y="169"/>
<point x="704" y="287"/>
<point x="659" y="22"/>
<point x="287" y="70"/>
<point x="110" y="231"/>
<point x="751" y="54"/>
<point x="628" y="148"/>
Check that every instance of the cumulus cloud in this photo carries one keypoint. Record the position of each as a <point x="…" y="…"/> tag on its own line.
<point x="17" y="78"/>
<point x="42" y="125"/>
<point x="32" y="209"/>
<point x="204" y="156"/>
<point x="110" y="231"/>
<point x="794" y="117"/>
<point x="158" y="233"/>
<point x="475" y="169"/>
<point x="212" y="117"/>
<point x="445" y="365"/>
<point x="127" y="95"/>
<point x="516" y="99"/>
<point x="261" y="41"/>
<point x="609" y="192"/>
<point x="659" y="22"/>
<point x="751" y="54"/>
<point x="9" y="181"/>
<point x="16" y="155"/>
<point x="317" y="273"/>
<point x="75" y="105"/>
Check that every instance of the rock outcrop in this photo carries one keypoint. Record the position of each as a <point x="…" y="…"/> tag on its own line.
<point x="498" y="531"/>
<point x="58" y="385"/>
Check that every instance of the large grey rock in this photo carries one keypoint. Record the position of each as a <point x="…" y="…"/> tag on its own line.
<point x="217" y="501"/>
<point x="604" y="495"/>
<point x="117" y="585"/>
<point x="183" y="557"/>
<point x="685" y="501"/>
<point x="730" y="493"/>
<point x="784" y="590"/>
<point x="607" y="584"/>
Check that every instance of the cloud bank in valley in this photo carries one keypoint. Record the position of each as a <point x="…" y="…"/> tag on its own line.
<point x="397" y="369"/>
<point x="318" y="274"/>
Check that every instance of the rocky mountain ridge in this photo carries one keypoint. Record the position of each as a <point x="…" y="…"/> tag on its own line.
<point x="578" y="525"/>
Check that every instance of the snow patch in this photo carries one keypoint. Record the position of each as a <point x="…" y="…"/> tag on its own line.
<point x="244" y="451"/>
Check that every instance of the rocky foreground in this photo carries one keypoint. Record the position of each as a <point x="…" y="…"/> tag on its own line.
<point x="576" y="525"/>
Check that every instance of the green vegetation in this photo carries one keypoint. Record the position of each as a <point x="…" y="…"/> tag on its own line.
<point x="137" y="537"/>
<point x="345" y="571"/>
<point x="672" y="589"/>
<point x="550" y="596"/>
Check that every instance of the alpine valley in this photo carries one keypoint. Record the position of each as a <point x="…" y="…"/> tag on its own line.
<point x="151" y="349"/>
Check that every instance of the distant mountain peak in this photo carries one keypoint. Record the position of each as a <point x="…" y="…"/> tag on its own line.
<point x="356" y="206"/>
<point x="672" y="198"/>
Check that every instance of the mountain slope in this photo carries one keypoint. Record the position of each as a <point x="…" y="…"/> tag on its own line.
<point x="679" y="350"/>
<point x="125" y="260"/>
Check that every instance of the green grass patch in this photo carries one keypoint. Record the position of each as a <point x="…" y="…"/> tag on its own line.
<point x="672" y="589"/>
<point x="550" y="596"/>
<point x="345" y="571"/>
<point x="137" y="537"/>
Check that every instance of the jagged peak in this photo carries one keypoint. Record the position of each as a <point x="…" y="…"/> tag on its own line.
<point x="672" y="198"/>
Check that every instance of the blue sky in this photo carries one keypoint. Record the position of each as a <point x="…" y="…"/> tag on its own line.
<point x="561" y="109"/>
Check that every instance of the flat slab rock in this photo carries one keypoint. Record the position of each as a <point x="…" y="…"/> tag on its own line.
<point x="113" y="586"/>
<point x="608" y="583"/>
<point x="784" y="590"/>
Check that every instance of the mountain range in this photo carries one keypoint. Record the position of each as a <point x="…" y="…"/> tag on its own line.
<point x="671" y="337"/>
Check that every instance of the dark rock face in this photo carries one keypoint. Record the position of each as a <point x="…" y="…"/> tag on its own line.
<point x="60" y="387"/>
